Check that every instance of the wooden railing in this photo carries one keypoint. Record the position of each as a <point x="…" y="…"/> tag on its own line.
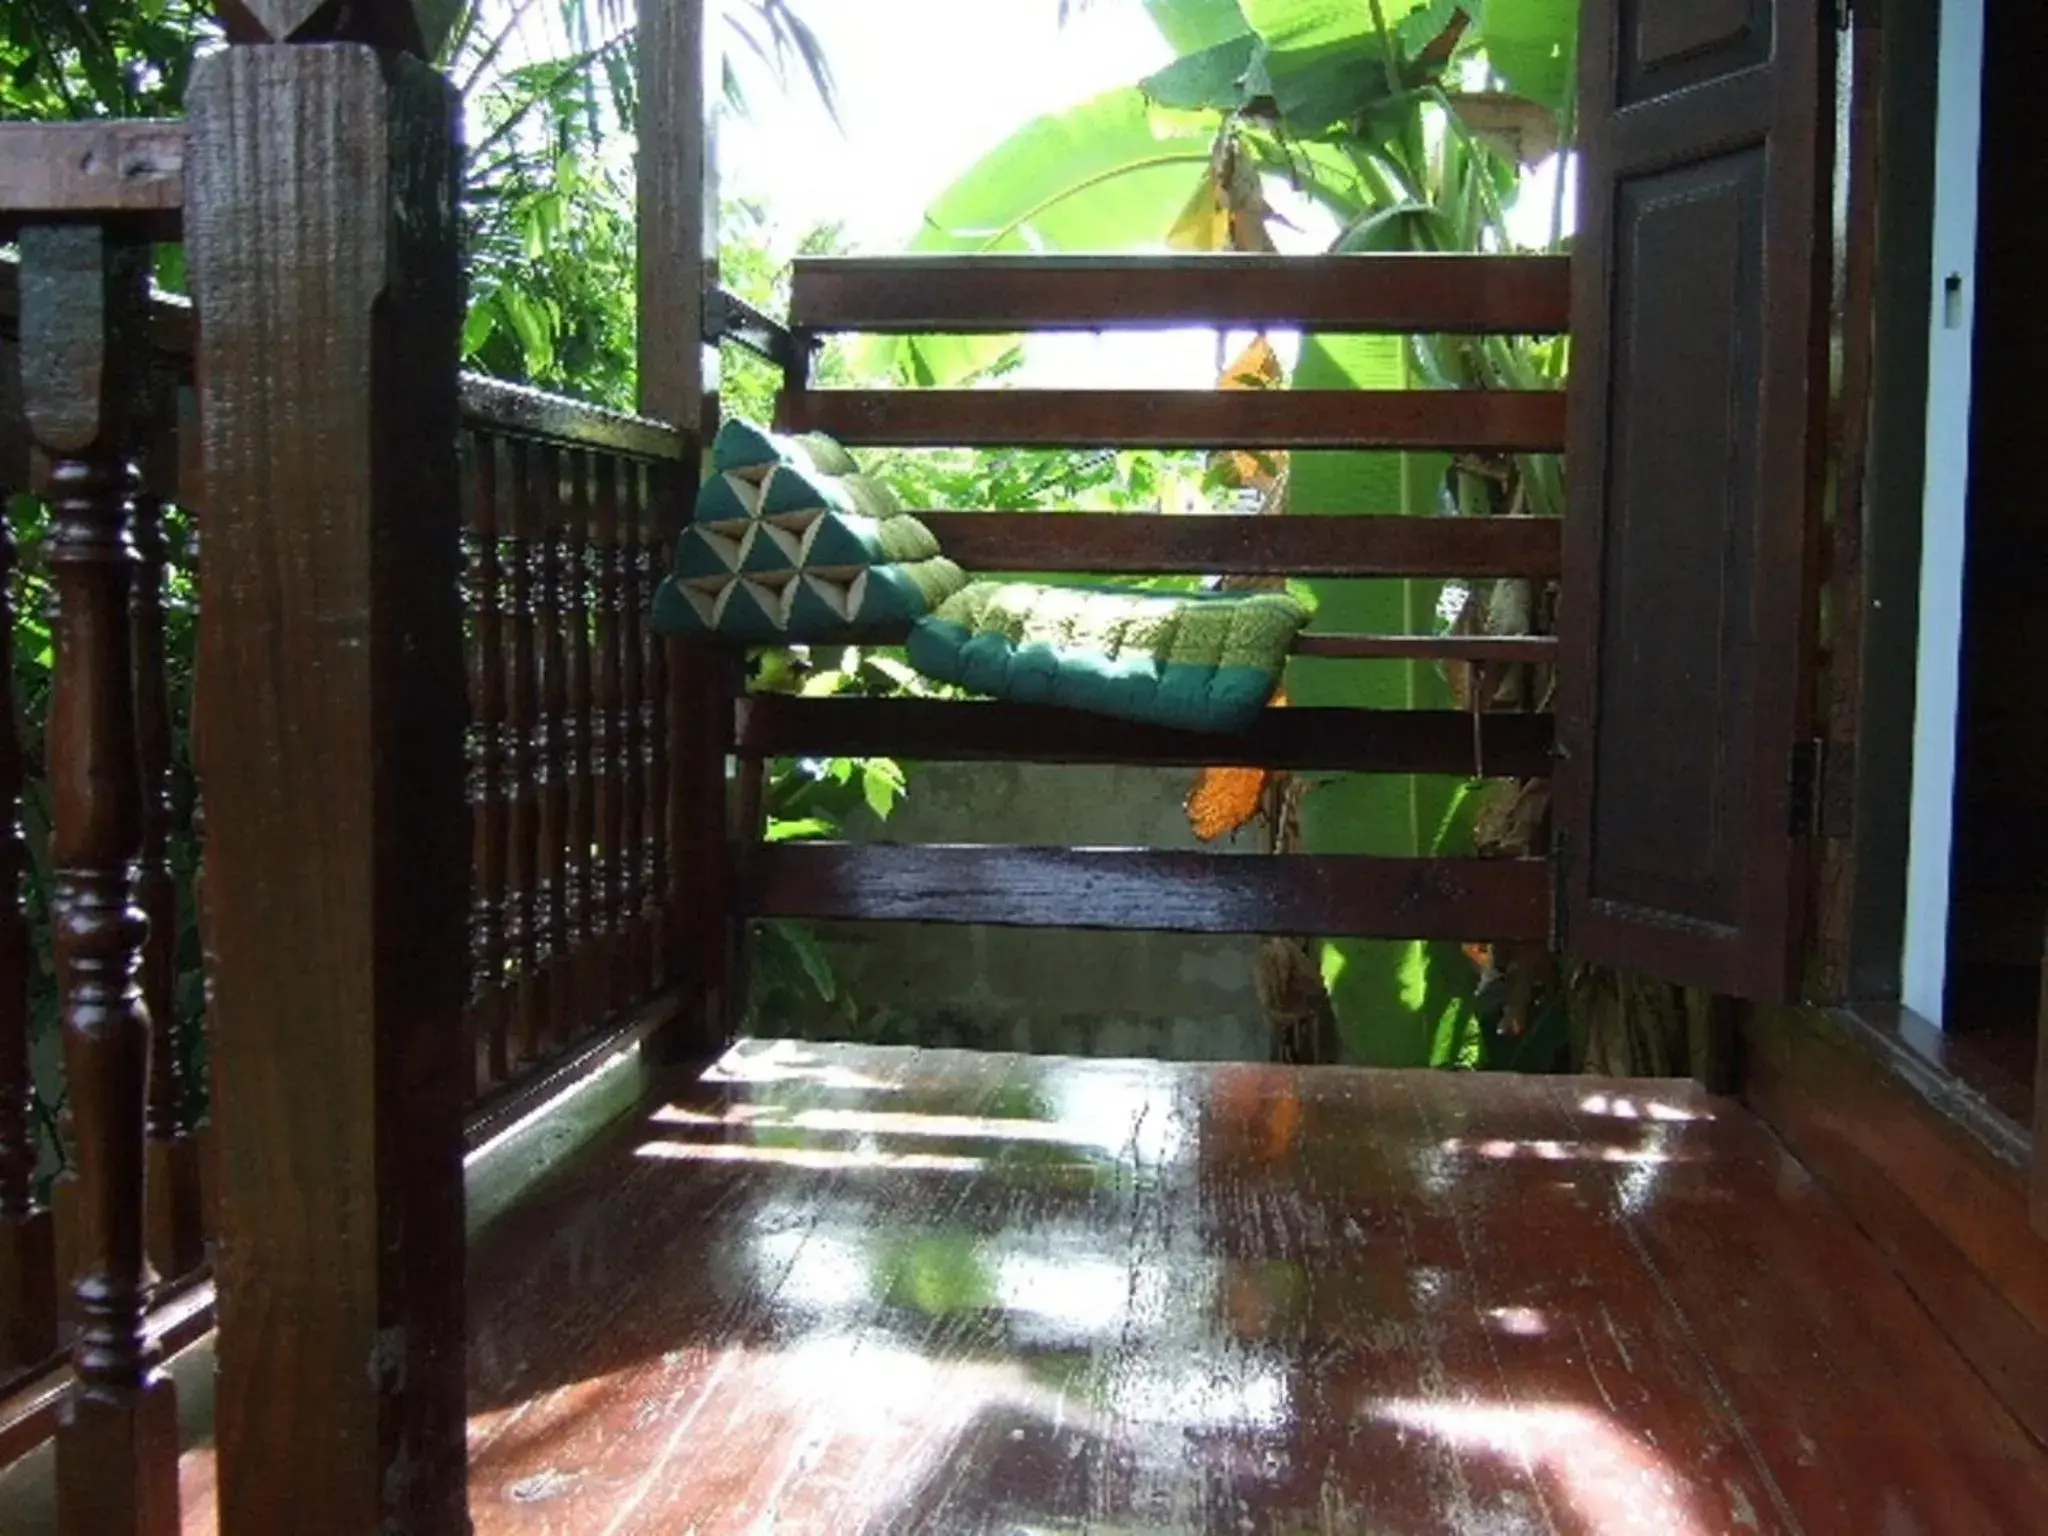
<point x="563" y="506"/>
<point x="566" y="513"/>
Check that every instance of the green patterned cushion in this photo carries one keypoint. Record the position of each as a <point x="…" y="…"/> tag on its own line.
<point x="791" y="544"/>
<point x="1202" y="661"/>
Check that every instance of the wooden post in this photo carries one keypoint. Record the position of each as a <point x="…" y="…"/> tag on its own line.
<point x="678" y="384"/>
<point x="324" y="251"/>
<point x="84" y="351"/>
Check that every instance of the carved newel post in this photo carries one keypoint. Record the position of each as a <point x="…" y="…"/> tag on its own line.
<point x="323" y="244"/>
<point x="84" y="308"/>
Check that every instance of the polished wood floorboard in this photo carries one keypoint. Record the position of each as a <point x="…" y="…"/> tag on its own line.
<point x="859" y="1290"/>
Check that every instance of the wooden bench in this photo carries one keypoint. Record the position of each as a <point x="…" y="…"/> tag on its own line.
<point x="1133" y="888"/>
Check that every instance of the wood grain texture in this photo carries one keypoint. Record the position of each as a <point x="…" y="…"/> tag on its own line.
<point x="132" y="170"/>
<point x="965" y="295"/>
<point x="1698" y="436"/>
<point x="84" y="359"/>
<point x="1469" y="420"/>
<point x="1331" y="740"/>
<point x="1911" y="1155"/>
<point x="327" y="263"/>
<point x="1836" y="872"/>
<point x="859" y="1290"/>
<point x="1152" y="890"/>
<point x="1115" y="543"/>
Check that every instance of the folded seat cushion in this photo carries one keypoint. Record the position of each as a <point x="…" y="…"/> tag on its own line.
<point x="1196" y="661"/>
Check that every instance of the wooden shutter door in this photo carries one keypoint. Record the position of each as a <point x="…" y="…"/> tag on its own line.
<point x="1699" y="381"/>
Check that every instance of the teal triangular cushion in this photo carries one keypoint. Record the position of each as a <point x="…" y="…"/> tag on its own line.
<point x="728" y="498"/>
<point x="790" y="489"/>
<point x="768" y="549"/>
<point x="703" y="554"/>
<point x="742" y="445"/>
<point x="850" y="541"/>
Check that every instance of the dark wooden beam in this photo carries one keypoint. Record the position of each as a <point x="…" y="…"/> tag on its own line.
<point x="728" y="317"/>
<point x="95" y="170"/>
<point x="1152" y="890"/>
<point x="1476" y="420"/>
<point x="326" y="257"/>
<point x="964" y="295"/>
<point x="678" y="226"/>
<point x="1122" y="543"/>
<point x="1319" y="740"/>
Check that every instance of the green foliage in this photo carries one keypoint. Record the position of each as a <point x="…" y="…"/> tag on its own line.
<point x="68" y="59"/>
<point x="552" y="267"/>
<point x="1192" y="25"/>
<point x="1532" y="45"/>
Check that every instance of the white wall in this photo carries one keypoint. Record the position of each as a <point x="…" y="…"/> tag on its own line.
<point x="1932" y="833"/>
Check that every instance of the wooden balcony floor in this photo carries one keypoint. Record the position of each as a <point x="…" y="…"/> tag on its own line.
<point x="847" y="1290"/>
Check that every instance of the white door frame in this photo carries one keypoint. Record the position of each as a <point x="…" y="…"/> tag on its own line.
<point x="1958" y="127"/>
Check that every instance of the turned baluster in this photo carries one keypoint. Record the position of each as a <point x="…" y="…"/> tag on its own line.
<point x="581" y="897"/>
<point x="663" y="940"/>
<point x="487" y="787"/>
<point x="84" y="313"/>
<point x="525" y="760"/>
<point x="556" y="759"/>
<point x="608" y="738"/>
<point x="629" y="734"/>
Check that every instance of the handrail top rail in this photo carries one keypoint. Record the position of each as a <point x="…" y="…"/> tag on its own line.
<point x="125" y="170"/>
<point x="495" y="404"/>
<point x="523" y="411"/>
<point x="1011" y="292"/>
<point x="1169" y="261"/>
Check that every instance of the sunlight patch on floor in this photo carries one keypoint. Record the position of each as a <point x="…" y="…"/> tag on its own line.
<point x="806" y="1157"/>
<point x="1611" y="1479"/>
